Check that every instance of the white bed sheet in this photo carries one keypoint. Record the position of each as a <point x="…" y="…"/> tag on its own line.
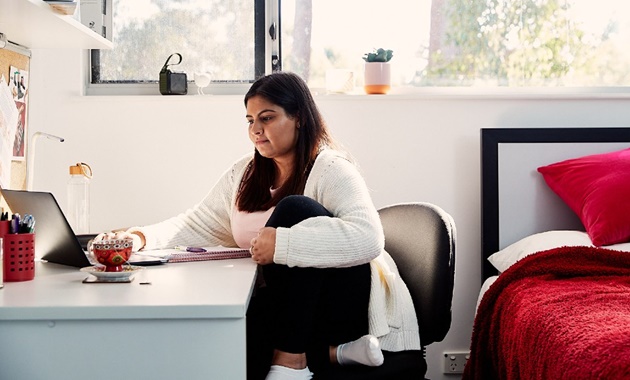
<point x="484" y="287"/>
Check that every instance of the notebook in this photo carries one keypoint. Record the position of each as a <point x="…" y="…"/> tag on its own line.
<point x="209" y="253"/>
<point x="55" y="241"/>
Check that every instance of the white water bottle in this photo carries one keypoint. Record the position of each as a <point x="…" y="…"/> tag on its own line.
<point x="79" y="198"/>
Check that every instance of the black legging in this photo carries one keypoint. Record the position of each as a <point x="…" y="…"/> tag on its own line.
<point x="304" y="309"/>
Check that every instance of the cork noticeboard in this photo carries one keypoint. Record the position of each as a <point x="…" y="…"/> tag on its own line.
<point x="17" y="57"/>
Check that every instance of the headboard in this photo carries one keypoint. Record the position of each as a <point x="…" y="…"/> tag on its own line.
<point x="515" y="200"/>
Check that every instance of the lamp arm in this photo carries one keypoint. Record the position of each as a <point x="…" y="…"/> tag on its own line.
<point x="30" y="159"/>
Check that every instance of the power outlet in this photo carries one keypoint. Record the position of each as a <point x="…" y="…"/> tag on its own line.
<point x="454" y="362"/>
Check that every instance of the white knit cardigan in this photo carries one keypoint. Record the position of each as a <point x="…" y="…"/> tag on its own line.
<point x="354" y="236"/>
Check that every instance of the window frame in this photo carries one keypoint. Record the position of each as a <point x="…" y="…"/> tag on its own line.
<point x="268" y="46"/>
<point x="266" y="14"/>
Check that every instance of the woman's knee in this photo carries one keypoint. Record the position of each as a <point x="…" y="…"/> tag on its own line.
<point x="295" y="208"/>
<point x="302" y="205"/>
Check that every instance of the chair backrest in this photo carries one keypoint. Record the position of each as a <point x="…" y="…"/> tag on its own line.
<point x="420" y="237"/>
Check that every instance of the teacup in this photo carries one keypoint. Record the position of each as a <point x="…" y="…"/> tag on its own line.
<point x="113" y="253"/>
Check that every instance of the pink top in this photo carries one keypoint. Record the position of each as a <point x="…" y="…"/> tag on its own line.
<point x="245" y="225"/>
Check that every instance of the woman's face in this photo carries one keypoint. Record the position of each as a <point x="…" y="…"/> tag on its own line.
<point x="273" y="132"/>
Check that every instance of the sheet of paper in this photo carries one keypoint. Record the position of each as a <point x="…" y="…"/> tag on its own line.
<point x="18" y="85"/>
<point x="161" y="253"/>
<point x="8" y="125"/>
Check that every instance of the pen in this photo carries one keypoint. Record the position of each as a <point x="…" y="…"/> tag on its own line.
<point x="190" y="249"/>
<point x="27" y="226"/>
<point x="15" y="223"/>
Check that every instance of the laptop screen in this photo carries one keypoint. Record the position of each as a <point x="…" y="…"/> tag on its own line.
<point x="55" y="241"/>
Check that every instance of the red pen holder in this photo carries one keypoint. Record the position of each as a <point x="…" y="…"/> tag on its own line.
<point x="19" y="257"/>
<point x="5" y="226"/>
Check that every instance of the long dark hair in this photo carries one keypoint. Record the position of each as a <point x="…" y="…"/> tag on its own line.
<point x="290" y="92"/>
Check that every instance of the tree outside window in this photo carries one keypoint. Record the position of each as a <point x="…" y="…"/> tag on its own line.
<point x="496" y="43"/>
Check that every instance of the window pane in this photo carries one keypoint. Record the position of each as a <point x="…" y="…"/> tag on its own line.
<point x="343" y="31"/>
<point x="462" y="42"/>
<point x="215" y="36"/>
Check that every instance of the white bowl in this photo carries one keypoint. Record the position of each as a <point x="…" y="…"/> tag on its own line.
<point x="63" y="7"/>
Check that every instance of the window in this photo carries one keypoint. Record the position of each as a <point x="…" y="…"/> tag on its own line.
<point x="491" y="43"/>
<point x="511" y="43"/>
<point x="339" y="33"/>
<point x="218" y="37"/>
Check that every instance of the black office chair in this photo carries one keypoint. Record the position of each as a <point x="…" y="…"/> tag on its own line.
<point x="420" y="237"/>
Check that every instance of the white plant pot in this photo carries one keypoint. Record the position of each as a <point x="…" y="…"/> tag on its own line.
<point x="377" y="77"/>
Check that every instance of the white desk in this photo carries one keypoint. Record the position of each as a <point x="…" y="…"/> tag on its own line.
<point x="189" y="323"/>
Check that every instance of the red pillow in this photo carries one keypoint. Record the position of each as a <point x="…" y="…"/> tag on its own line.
<point x="597" y="189"/>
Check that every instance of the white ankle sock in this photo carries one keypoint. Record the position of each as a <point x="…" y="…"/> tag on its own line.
<point x="365" y="350"/>
<point x="278" y="372"/>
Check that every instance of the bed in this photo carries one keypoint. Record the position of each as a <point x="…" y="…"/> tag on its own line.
<point x="555" y="299"/>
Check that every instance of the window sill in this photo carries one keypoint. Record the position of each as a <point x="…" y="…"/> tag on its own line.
<point x="143" y="90"/>
<point x="148" y="89"/>
<point x="476" y="93"/>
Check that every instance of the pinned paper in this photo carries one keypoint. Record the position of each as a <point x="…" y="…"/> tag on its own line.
<point x="9" y="116"/>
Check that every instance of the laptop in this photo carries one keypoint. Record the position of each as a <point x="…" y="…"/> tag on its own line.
<point x="55" y="240"/>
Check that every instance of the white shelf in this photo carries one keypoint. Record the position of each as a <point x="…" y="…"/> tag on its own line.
<point x="34" y="24"/>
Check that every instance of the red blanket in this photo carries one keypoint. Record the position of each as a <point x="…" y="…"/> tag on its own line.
<point x="558" y="314"/>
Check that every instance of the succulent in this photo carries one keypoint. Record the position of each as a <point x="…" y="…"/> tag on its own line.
<point x="378" y="55"/>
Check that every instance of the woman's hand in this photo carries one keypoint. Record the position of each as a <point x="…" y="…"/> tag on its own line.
<point x="137" y="240"/>
<point x="264" y="246"/>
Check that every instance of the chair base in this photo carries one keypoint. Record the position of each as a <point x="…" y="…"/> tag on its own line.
<point x="405" y="365"/>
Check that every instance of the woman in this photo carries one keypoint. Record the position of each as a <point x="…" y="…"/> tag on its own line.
<point x="327" y="293"/>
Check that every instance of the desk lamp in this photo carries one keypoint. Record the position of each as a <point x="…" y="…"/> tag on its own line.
<point x="30" y="161"/>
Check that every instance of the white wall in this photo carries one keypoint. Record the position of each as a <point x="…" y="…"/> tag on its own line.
<point x="154" y="156"/>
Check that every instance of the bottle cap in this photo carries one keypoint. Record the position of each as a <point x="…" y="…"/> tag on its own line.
<point x="81" y="168"/>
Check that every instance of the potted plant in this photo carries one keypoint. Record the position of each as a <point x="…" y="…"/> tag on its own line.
<point x="377" y="73"/>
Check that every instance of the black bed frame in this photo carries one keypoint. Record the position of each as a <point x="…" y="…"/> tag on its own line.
<point x="490" y="140"/>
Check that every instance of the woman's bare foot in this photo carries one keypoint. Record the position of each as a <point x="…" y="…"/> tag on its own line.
<point x="287" y="359"/>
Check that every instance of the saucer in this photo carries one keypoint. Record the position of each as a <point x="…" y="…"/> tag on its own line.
<point x="123" y="276"/>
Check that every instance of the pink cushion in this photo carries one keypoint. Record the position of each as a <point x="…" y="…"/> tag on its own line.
<point x="597" y="189"/>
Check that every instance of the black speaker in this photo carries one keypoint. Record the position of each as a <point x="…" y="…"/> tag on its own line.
<point x="172" y="82"/>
